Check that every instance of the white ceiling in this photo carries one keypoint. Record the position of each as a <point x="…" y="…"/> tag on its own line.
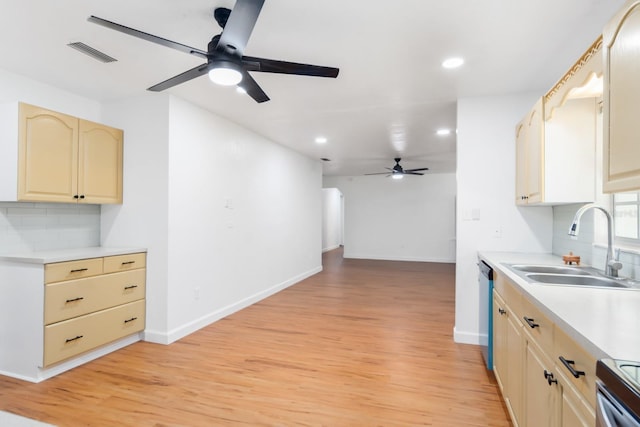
<point x="390" y="97"/>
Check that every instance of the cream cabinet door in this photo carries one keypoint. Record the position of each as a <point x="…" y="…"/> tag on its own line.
<point x="541" y="389"/>
<point x="514" y="356"/>
<point x="100" y="163"/>
<point x="47" y="155"/>
<point x="534" y="153"/>
<point x="621" y="92"/>
<point x="521" y="163"/>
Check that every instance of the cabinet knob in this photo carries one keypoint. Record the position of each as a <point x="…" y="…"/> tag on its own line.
<point x="549" y="377"/>
<point x="502" y="311"/>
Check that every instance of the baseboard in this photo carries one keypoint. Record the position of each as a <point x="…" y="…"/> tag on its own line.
<point x="400" y="258"/>
<point x="330" y="248"/>
<point x="469" y="337"/>
<point x="175" y="334"/>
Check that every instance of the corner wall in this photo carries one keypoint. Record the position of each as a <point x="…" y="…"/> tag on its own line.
<point x="487" y="218"/>
<point x="229" y="217"/>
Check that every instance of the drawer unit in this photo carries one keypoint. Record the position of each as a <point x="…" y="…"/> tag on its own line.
<point x="69" y="338"/>
<point x="91" y="302"/>
<point x="64" y="300"/>
<point x="70" y="270"/>
<point x="70" y="306"/>
<point x="117" y="263"/>
<point x="576" y="364"/>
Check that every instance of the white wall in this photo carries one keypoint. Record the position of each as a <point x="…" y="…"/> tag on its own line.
<point x="142" y="220"/>
<point x="412" y="219"/>
<point x="231" y="217"/>
<point x="331" y="219"/>
<point x="487" y="218"/>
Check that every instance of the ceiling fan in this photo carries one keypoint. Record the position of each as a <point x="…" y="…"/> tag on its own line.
<point x="226" y="63"/>
<point x="397" y="172"/>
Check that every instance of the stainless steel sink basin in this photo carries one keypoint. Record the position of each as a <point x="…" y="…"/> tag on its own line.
<point x="576" y="280"/>
<point x="556" y="269"/>
<point x="566" y="275"/>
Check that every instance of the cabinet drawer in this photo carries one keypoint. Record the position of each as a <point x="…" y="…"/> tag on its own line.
<point x="117" y="263"/>
<point x="70" y="270"/>
<point x="511" y="296"/>
<point x="72" y="337"/>
<point x="537" y="325"/>
<point x="570" y="351"/>
<point x="73" y="298"/>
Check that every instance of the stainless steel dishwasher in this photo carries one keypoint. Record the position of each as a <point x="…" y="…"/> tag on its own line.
<point x="617" y="393"/>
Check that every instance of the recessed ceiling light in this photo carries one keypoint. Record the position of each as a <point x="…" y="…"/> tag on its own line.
<point x="321" y="140"/>
<point x="443" y="132"/>
<point x="452" y="62"/>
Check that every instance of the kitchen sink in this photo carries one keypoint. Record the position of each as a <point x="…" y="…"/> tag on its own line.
<point x="576" y="280"/>
<point x="565" y="275"/>
<point x="556" y="269"/>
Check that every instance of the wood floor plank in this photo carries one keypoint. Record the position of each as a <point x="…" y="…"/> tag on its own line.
<point x="364" y="343"/>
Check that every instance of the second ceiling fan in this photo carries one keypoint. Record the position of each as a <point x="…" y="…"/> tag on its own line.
<point x="397" y="172"/>
<point x="226" y="63"/>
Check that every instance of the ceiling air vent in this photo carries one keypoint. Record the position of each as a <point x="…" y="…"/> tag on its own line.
<point x="94" y="53"/>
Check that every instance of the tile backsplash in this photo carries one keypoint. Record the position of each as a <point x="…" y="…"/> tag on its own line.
<point x="47" y="226"/>
<point x="590" y="253"/>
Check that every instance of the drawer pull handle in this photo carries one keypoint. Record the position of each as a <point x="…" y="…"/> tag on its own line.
<point x="502" y="311"/>
<point x="531" y="322"/>
<point x="79" y="270"/>
<point x="75" y="299"/>
<point x="130" y="287"/>
<point x="569" y="365"/>
<point x="128" y="262"/>
<point x="73" y="339"/>
<point x="130" y="320"/>
<point x="549" y="377"/>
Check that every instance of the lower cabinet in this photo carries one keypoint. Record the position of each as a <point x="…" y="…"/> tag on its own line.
<point x="545" y="377"/>
<point x="70" y="312"/>
<point x="507" y="355"/>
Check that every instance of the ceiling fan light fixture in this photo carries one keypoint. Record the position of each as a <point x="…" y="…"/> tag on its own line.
<point x="225" y="73"/>
<point x="397" y="175"/>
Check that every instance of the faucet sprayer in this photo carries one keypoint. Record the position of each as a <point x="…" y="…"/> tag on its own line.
<point x="612" y="265"/>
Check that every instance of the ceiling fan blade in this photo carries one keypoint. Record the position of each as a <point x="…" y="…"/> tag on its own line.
<point x="253" y="89"/>
<point x="239" y="26"/>
<point x="148" y="37"/>
<point x="284" y="67"/>
<point x="416" y="170"/>
<point x="181" y="78"/>
<point x="380" y="173"/>
<point x="412" y="173"/>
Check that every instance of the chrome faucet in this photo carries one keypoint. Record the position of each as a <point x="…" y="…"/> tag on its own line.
<point x="612" y="265"/>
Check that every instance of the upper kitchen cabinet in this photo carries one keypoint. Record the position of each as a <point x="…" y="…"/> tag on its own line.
<point x="53" y="157"/>
<point x="621" y="52"/>
<point x="99" y="163"/>
<point x="556" y="141"/>
<point x="530" y="157"/>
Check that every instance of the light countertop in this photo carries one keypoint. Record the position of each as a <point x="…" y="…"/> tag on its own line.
<point x="47" y="257"/>
<point x="606" y="322"/>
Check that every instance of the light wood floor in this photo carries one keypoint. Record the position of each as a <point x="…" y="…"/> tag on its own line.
<point x="364" y="343"/>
